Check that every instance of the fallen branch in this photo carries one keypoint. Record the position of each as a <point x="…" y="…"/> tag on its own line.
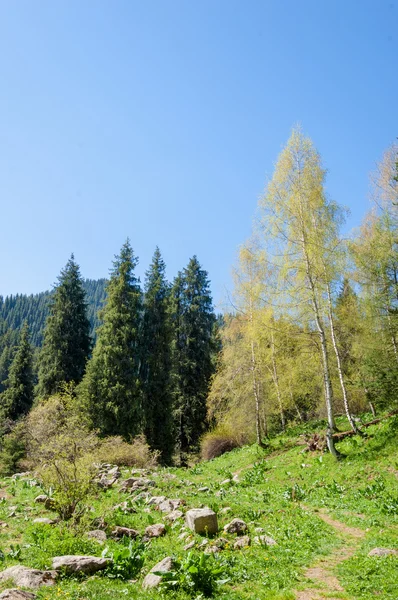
<point x="342" y="434"/>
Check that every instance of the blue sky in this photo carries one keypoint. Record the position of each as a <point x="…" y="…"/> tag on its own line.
<point x="161" y="120"/>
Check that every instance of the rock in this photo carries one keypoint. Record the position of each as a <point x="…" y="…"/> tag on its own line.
<point x="202" y="520"/>
<point x="225" y="510"/>
<point x="211" y="550"/>
<point x="156" y="501"/>
<point x="80" y="564"/>
<point x="155" y="531"/>
<point x="114" y="472"/>
<point x="203" y="543"/>
<point x="106" y="482"/>
<point x="183" y="535"/>
<point x="235" y="478"/>
<point x="136" y="483"/>
<point x="44" y="521"/>
<point x="190" y="545"/>
<point x="383" y="552"/>
<point x="120" y="532"/>
<point x="3" y="524"/>
<point x="220" y="542"/>
<point x="203" y="489"/>
<point x="174" y="515"/>
<point x="168" y="506"/>
<point x="236" y="526"/>
<point x="97" y="534"/>
<point x="152" y="580"/>
<point x="26" y="577"/>
<point x="15" y="594"/>
<point x="264" y="540"/>
<point x="43" y="499"/>
<point x="20" y="475"/>
<point x="259" y="530"/>
<point x="242" y="542"/>
<point x="225" y="482"/>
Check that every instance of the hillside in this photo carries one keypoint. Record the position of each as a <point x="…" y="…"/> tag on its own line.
<point x="319" y="520"/>
<point x="14" y="310"/>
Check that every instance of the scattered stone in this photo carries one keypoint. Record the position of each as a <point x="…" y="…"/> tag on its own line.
<point x="190" y="545"/>
<point x="3" y="524"/>
<point x="120" y="532"/>
<point x="212" y="550"/>
<point x="45" y="521"/>
<point x="114" y="472"/>
<point x="137" y="483"/>
<point x="15" y="594"/>
<point x="168" y="506"/>
<point x="156" y="501"/>
<point x="203" y="489"/>
<point x="97" y="534"/>
<point x="155" y="531"/>
<point x="236" y="478"/>
<point x="106" y="483"/>
<point x="43" y="499"/>
<point x="225" y="482"/>
<point x="203" y="543"/>
<point x="183" y="535"/>
<point x="236" y="526"/>
<point x="264" y="540"/>
<point x="202" y="520"/>
<point x="174" y="515"/>
<point x="225" y="510"/>
<point x="169" y="476"/>
<point x="80" y="564"/>
<point x="152" y="580"/>
<point x="383" y="552"/>
<point x="242" y="542"/>
<point x="26" y="577"/>
<point x="20" y="475"/>
<point x="259" y="530"/>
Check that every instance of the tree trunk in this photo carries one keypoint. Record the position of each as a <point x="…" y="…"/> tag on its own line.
<point x="339" y="364"/>
<point x="276" y="383"/>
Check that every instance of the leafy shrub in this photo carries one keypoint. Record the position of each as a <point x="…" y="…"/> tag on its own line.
<point x="196" y="574"/>
<point x="116" y="451"/>
<point x="128" y="559"/>
<point x="63" y="451"/>
<point x="220" y="440"/>
<point x="295" y="493"/>
<point x="255" y="475"/>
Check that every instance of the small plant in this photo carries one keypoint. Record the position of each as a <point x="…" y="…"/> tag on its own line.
<point x="255" y="475"/>
<point x="127" y="559"/>
<point x="196" y="574"/>
<point x="294" y="493"/>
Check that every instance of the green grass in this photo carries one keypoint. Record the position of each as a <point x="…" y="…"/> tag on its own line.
<point x="280" y="489"/>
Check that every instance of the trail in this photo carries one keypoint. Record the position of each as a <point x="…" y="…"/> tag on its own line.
<point x="321" y="573"/>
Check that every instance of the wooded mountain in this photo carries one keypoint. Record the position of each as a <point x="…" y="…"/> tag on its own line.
<point x="14" y="310"/>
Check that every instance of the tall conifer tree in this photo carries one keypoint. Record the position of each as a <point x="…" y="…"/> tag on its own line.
<point x="17" y="400"/>
<point x="156" y="360"/>
<point x="67" y="342"/>
<point x="194" y="320"/>
<point x="110" y="390"/>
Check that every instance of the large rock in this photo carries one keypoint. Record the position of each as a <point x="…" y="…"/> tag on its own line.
<point x="202" y="520"/>
<point x="168" y="506"/>
<point x="120" y="532"/>
<point x="80" y="564"/>
<point x="174" y="515"/>
<point x="97" y="534"/>
<point x="136" y="483"/>
<point x="236" y="526"/>
<point x="152" y="580"/>
<point x="43" y="499"/>
<point x="155" y="531"/>
<point x="26" y="577"/>
<point x="264" y="540"/>
<point x="14" y="594"/>
<point x="383" y="552"/>
<point x="242" y="542"/>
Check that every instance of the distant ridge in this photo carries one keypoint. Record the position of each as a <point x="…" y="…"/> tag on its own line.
<point x="33" y="308"/>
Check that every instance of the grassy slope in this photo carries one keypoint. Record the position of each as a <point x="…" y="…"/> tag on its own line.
<point x="280" y="489"/>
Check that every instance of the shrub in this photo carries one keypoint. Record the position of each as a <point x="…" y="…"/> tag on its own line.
<point x="220" y="440"/>
<point x="196" y="573"/>
<point x="127" y="559"/>
<point x="138" y="454"/>
<point x="63" y="451"/>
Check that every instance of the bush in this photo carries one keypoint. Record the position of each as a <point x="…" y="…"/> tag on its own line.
<point x="138" y="454"/>
<point x="196" y="573"/>
<point x="220" y="440"/>
<point x="63" y="451"/>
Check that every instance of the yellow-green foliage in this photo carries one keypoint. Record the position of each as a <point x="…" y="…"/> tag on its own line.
<point x="221" y="439"/>
<point x="116" y="451"/>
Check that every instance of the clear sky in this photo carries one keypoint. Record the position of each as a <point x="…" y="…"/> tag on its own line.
<point x="161" y="120"/>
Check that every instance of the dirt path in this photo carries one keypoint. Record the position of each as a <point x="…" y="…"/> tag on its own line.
<point x="321" y="573"/>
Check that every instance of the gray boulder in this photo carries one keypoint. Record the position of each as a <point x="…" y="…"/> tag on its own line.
<point x="236" y="526"/>
<point x="383" y="552"/>
<point x="264" y="540"/>
<point x="26" y="577"/>
<point x="152" y="580"/>
<point x="155" y="531"/>
<point x="80" y="564"/>
<point x="202" y="520"/>
<point x="15" y="594"/>
<point x="120" y="532"/>
<point x="242" y="542"/>
<point x="97" y="534"/>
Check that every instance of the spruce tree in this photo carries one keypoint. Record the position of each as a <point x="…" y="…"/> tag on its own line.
<point x="110" y="391"/>
<point x="193" y="319"/>
<point x="156" y="360"/>
<point x="17" y="400"/>
<point x="67" y="342"/>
